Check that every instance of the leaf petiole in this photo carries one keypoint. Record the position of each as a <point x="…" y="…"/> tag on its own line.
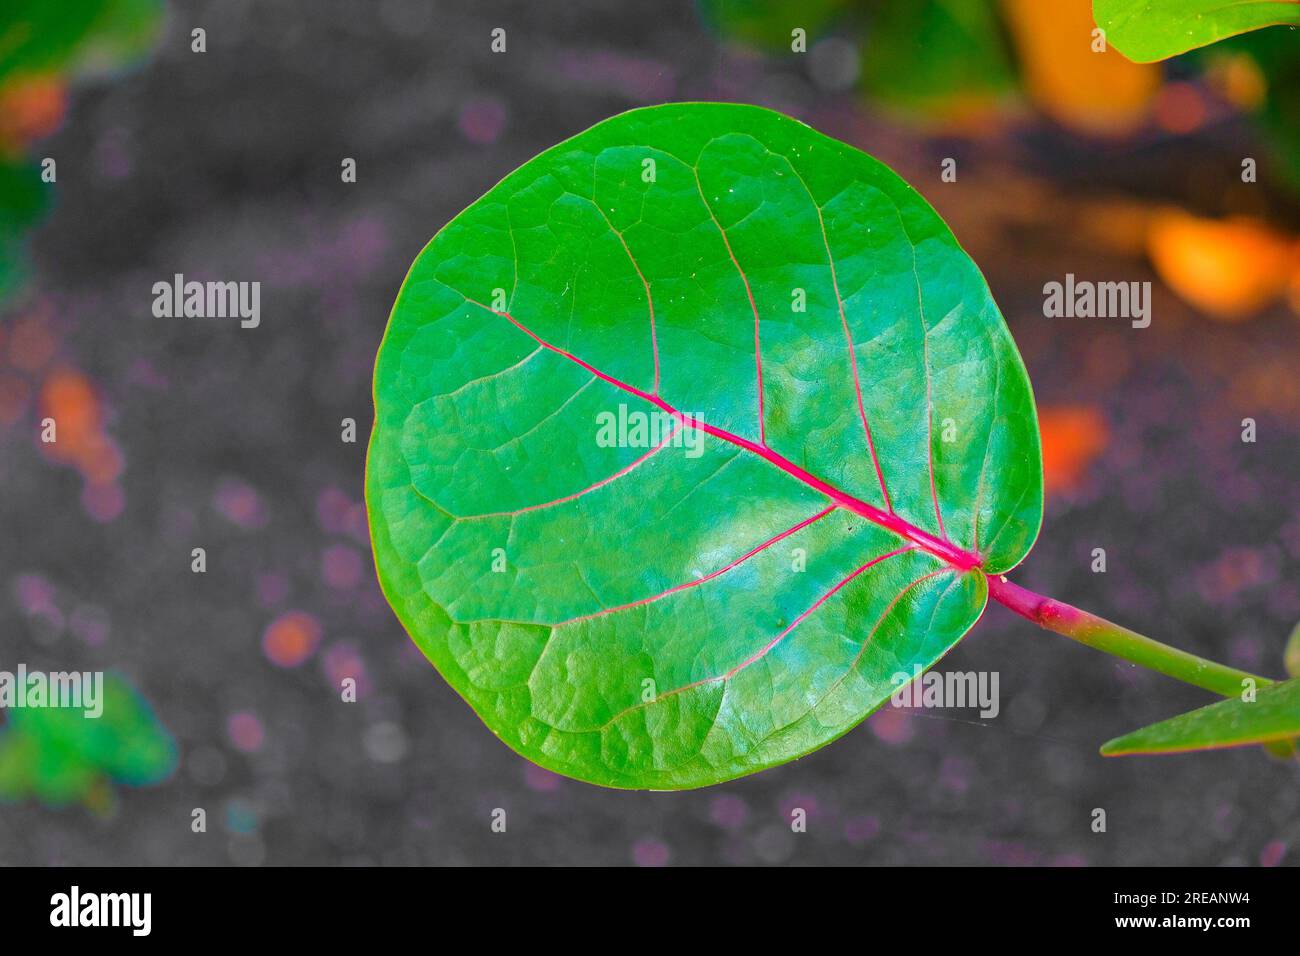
<point x="1110" y="638"/>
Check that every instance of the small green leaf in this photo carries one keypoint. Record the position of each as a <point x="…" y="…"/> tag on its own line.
<point x="825" y="438"/>
<point x="57" y="754"/>
<point x="1273" y="716"/>
<point x="1150" y="30"/>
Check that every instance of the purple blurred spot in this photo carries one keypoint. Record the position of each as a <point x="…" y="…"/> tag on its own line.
<point x="245" y="731"/>
<point x="35" y="594"/>
<point x="859" y="830"/>
<point x="482" y="120"/>
<point x="799" y="801"/>
<point x="89" y="622"/>
<point x="891" y="725"/>
<point x="341" y="567"/>
<point x="540" y="779"/>
<point x="729" y="812"/>
<point x="1272" y="853"/>
<point x="650" y="852"/>
<point x="104" y="503"/>
<point x="337" y="513"/>
<point x="240" y="504"/>
<point x="343" y="660"/>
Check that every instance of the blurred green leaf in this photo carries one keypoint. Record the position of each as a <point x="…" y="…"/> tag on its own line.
<point x="23" y="201"/>
<point x="931" y="54"/>
<point x="1150" y="30"/>
<point x="38" y="36"/>
<point x="58" y="754"/>
<point x="768" y="23"/>
<point x="1274" y="716"/>
<point x="72" y="37"/>
<point x="123" y="32"/>
<point x="1277" y="55"/>
<point x="23" y="197"/>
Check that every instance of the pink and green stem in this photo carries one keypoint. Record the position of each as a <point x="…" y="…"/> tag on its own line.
<point x="1102" y="635"/>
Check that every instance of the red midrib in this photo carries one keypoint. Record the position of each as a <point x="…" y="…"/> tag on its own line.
<point x="939" y="547"/>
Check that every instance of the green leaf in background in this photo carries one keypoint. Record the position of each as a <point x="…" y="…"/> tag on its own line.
<point x="676" y="609"/>
<point x="1287" y="749"/>
<point x="37" y="36"/>
<point x="54" y="42"/>
<point x="1150" y="30"/>
<point x="1274" y="716"/>
<point x="58" y="755"/>
<point x="936" y="54"/>
<point x="1277" y="55"/>
<point x="768" y="24"/>
<point x="23" y="201"/>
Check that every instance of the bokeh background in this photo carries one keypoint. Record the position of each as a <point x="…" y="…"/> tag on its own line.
<point x="177" y="434"/>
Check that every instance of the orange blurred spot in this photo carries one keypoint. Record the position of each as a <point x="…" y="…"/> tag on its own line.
<point x="291" y="638"/>
<point x="1073" y="435"/>
<point x="1293" y="291"/>
<point x="68" y="398"/>
<point x="1099" y="93"/>
<point x="1120" y="225"/>
<point x="1228" y="268"/>
<point x="80" y="440"/>
<point x="1270" y="384"/>
<point x="1239" y="80"/>
<point x="31" y="108"/>
<point x="1180" y="108"/>
<point x="100" y="460"/>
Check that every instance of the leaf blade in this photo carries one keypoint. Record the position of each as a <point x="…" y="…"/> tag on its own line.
<point x="1146" y="31"/>
<point x="1273" y="716"/>
<point x="614" y="291"/>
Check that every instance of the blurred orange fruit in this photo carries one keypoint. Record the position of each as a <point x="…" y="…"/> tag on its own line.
<point x="1228" y="268"/>
<point x="291" y="638"/>
<point x="31" y="108"/>
<point x="68" y="398"/>
<point x="1098" y="93"/>
<point x="1073" y="435"/>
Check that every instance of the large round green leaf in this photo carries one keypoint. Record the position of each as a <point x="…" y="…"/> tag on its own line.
<point x="851" y="444"/>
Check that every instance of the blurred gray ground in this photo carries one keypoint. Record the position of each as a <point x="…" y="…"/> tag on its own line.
<point x="226" y="165"/>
